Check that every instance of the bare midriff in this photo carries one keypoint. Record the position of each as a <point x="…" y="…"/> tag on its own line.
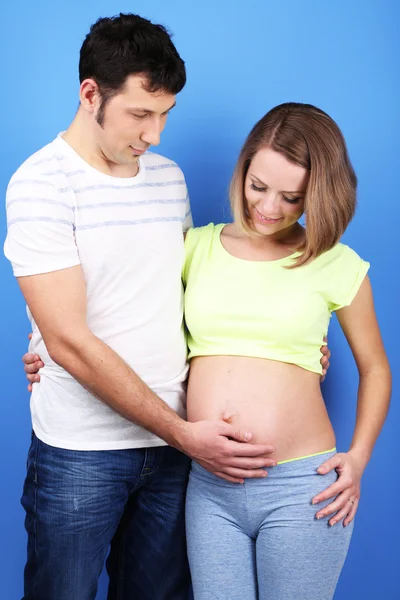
<point x="281" y="404"/>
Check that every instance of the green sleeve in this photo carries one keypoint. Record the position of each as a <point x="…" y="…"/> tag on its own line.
<point x="191" y="240"/>
<point x="348" y="271"/>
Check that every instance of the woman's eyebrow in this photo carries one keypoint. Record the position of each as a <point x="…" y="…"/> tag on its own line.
<point x="265" y="185"/>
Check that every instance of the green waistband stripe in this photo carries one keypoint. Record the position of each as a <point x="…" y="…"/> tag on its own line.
<point x="282" y="462"/>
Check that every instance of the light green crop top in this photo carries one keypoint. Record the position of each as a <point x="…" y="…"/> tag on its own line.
<point x="260" y="309"/>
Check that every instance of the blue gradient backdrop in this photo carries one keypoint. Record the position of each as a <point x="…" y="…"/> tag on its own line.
<point x="242" y="59"/>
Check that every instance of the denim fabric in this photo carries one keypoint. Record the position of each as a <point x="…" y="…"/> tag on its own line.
<point x="77" y="503"/>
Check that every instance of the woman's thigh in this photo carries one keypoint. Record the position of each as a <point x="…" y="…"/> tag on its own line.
<point x="221" y="553"/>
<point x="299" y="557"/>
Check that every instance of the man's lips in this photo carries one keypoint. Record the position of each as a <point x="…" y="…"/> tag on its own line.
<point x="138" y="150"/>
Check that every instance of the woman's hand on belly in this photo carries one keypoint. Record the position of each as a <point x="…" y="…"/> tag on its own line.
<point x="226" y="451"/>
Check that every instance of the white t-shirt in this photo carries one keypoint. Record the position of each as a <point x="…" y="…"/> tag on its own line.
<point x="127" y="235"/>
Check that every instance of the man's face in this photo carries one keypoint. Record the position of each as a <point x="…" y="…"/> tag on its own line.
<point x="132" y="121"/>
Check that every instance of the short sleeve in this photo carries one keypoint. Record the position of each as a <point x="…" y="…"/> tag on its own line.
<point x="40" y="227"/>
<point x="347" y="272"/>
<point x="197" y="238"/>
<point x="191" y="240"/>
<point x="188" y="220"/>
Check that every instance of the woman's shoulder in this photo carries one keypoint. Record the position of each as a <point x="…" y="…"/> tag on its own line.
<point x="195" y="235"/>
<point x="341" y="274"/>
<point x="339" y="254"/>
<point x="198" y="242"/>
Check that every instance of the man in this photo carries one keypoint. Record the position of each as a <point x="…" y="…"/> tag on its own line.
<point x="95" y="238"/>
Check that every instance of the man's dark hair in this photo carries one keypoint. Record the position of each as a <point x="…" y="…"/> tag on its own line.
<point x="127" y="44"/>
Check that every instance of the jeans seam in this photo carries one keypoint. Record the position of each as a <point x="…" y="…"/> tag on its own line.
<point x="147" y="472"/>
<point x="35" y="506"/>
<point x="120" y="576"/>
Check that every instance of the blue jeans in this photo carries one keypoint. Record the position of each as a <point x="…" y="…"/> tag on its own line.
<point x="261" y="540"/>
<point x="78" y="503"/>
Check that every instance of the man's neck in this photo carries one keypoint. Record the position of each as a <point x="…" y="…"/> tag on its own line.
<point x="81" y="139"/>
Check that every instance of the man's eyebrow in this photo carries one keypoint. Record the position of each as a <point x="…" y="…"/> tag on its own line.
<point x="265" y="185"/>
<point x="148" y="111"/>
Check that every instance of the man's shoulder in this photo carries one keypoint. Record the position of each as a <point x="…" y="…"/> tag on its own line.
<point x="157" y="164"/>
<point x="40" y="162"/>
<point x="43" y="169"/>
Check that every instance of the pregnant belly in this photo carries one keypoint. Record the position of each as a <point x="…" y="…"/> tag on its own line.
<point x="278" y="403"/>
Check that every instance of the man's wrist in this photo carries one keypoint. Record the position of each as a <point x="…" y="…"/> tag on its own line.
<point x="182" y="436"/>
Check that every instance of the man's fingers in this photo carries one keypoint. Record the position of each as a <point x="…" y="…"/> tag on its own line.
<point x="244" y="473"/>
<point x="30" y="388"/>
<point x="238" y="449"/>
<point x="240" y="462"/>
<point x="228" y="477"/>
<point x="30" y="335"/>
<point x="228" y="430"/>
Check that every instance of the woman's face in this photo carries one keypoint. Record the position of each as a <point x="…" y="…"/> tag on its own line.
<point x="274" y="191"/>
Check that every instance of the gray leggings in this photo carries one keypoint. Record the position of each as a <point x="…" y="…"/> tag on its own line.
<point x="261" y="540"/>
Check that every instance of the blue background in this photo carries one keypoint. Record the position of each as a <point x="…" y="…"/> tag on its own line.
<point x="242" y="59"/>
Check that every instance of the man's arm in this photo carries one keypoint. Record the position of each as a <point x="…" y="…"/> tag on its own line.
<point x="57" y="301"/>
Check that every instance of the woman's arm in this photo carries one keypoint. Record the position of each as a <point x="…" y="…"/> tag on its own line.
<point x="359" y="324"/>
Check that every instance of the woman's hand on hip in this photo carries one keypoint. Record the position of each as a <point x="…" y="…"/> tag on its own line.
<point x="32" y="364"/>
<point x="345" y="491"/>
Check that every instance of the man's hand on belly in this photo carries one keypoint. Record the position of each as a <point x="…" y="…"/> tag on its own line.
<point x="226" y="451"/>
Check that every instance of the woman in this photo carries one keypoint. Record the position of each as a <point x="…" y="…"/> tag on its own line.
<point x="259" y="294"/>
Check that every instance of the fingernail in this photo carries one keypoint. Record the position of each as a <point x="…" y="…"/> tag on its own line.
<point x="247" y="435"/>
<point x="333" y="523"/>
<point x="315" y="501"/>
<point x="319" y="516"/>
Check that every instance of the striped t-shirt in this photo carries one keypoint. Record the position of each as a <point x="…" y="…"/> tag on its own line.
<point x="127" y="235"/>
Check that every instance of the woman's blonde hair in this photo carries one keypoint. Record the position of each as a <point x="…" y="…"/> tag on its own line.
<point x="308" y="137"/>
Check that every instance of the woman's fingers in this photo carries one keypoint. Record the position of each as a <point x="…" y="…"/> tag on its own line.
<point x="33" y="378"/>
<point x="339" y="503"/>
<point x="32" y="368"/>
<point x="340" y="515"/>
<point x="349" y="508"/>
<point x="330" y="492"/>
<point x="352" y="513"/>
